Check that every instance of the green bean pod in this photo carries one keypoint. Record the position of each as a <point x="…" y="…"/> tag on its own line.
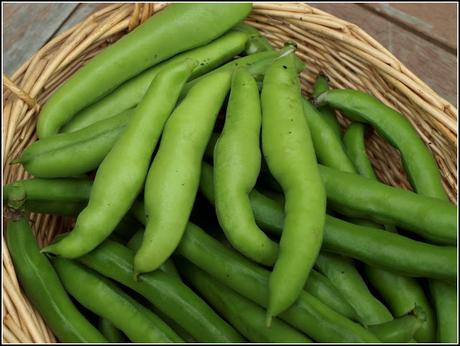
<point x="102" y="297"/>
<point x="400" y="293"/>
<point x="130" y="93"/>
<point x="67" y="155"/>
<point x="445" y="302"/>
<point x="169" y="295"/>
<point x="250" y="280"/>
<point x="247" y="317"/>
<point x="256" y="64"/>
<point x="352" y="195"/>
<point x="236" y="168"/>
<point x="53" y="196"/>
<point x="401" y="254"/>
<point x="419" y="164"/>
<point x="328" y="146"/>
<point x="171" y="185"/>
<point x="256" y="42"/>
<point x="122" y="172"/>
<point x="112" y="333"/>
<point x="177" y="28"/>
<point x="168" y="266"/>
<point x="41" y="283"/>
<point x="322" y="85"/>
<point x="322" y="288"/>
<point x="400" y="329"/>
<point x="346" y="278"/>
<point x="288" y="150"/>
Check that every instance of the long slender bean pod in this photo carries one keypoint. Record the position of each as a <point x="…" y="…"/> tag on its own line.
<point x="348" y="281"/>
<point x="445" y="302"/>
<point x="404" y="255"/>
<point x="112" y="333"/>
<point x="175" y="29"/>
<point x="400" y="293"/>
<point x="322" y="85"/>
<point x="130" y="93"/>
<point x="53" y="196"/>
<point x="71" y="154"/>
<point x="288" y="150"/>
<point x="40" y="281"/>
<point x="122" y="172"/>
<point x="171" y="185"/>
<point x="322" y="288"/>
<point x="104" y="298"/>
<point x="256" y="42"/>
<point x="419" y="163"/>
<point x="400" y="329"/>
<point x="169" y="294"/>
<point x="250" y="280"/>
<point x="236" y="168"/>
<point x="432" y="218"/>
<point x="246" y="316"/>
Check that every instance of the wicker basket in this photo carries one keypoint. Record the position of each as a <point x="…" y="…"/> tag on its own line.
<point x="344" y="52"/>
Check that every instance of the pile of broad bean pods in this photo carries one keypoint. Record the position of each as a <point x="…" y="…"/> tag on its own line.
<point x="264" y="224"/>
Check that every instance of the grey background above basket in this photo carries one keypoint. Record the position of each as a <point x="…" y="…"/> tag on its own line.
<point x="418" y="34"/>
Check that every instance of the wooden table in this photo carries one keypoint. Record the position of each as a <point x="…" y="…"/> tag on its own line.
<point x="421" y="35"/>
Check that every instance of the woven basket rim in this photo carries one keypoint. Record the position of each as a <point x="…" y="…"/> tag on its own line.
<point x="33" y="82"/>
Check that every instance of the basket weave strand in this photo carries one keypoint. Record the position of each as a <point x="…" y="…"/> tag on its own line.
<point x="341" y="50"/>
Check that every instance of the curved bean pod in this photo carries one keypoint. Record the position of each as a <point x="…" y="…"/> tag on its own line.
<point x="123" y="171"/>
<point x="419" y="163"/>
<point x="256" y="42"/>
<point x="322" y="85"/>
<point x="105" y="299"/>
<point x="175" y="29"/>
<point x="288" y="150"/>
<point x="236" y="168"/>
<point x="171" y="185"/>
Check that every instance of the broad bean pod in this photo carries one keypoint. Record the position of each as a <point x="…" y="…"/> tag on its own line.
<point x="401" y="254"/>
<point x="130" y="93"/>
<point x="237" y="159"/>
<point x="288" y="151"/>
<point x="246" y="316"/>
<point x="40" y="281"/>
<point x="168" y="294"/>
<point x="122" y="172"/>
<point x="250" y="280"/>
<point x="419" y="164"/>
<point x="400" y="293"/>
<point x="104" y="298"/>
<point x="171" y="185"/>
<point x="175" y="29"/>
<point x="71" y="154"/>
<point x="322" y="85"/>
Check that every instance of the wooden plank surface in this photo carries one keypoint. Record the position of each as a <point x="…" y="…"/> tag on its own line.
<point x="27" y="26"/>
<point x="422" y="36"/>
<point x="434" y="21"/>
